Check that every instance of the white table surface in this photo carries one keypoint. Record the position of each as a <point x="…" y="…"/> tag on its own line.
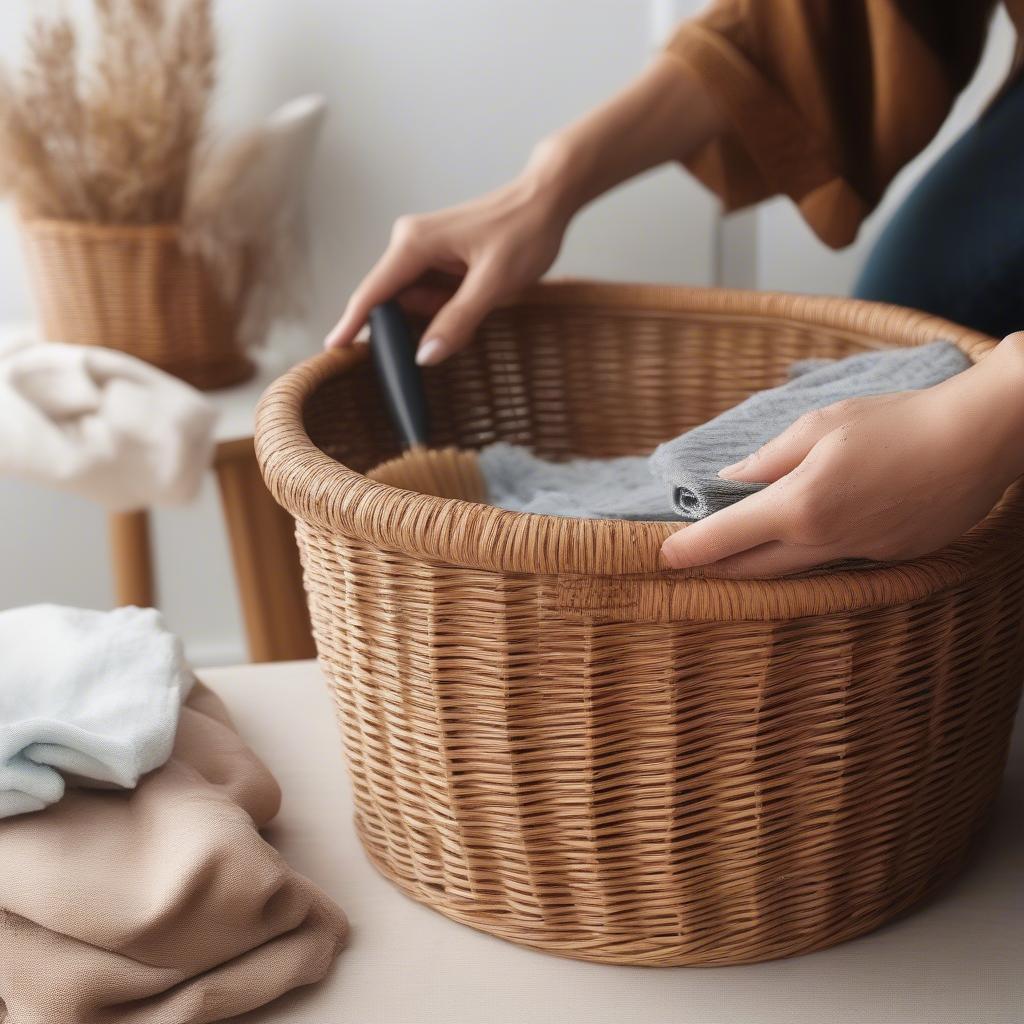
<point x="956" y="960"/>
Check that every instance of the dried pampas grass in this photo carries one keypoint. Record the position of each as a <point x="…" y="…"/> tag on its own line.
<point x="114" y="142"/>
<point x="119" y="139"/>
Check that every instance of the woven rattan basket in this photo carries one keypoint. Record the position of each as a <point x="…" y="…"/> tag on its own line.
<point x="133" y="288"/>
<point x="552" y="740"/>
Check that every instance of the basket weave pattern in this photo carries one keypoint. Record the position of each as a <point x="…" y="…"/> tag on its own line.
<point x="133" y="288"/>
<point x="553" y="740"/>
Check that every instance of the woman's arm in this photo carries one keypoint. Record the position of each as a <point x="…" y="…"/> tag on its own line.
<point x="825" y="101"/>
<point x="456" y="264"/>
<point x="888" y="478"/>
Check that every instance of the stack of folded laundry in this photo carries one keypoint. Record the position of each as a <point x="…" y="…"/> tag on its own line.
<point x="136" y="885"/>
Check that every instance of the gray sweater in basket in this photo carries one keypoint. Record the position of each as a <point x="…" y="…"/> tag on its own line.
<point x="680" y="481"/>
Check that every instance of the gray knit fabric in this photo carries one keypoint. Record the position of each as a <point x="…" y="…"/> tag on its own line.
<point x="680" y="481"/>
<point x="620" y="488"/>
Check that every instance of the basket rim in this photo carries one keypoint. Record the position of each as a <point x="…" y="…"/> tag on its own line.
<point x="320" y="491"/>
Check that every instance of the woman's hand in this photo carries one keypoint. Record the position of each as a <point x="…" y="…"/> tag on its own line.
<point x="455" y="265"/>
<point x="885" y="478"/>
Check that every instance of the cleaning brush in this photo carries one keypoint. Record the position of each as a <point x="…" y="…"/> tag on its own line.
<point x="444" y="472"/>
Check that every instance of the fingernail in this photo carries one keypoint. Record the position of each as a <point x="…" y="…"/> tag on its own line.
<point x="363" y="337"/>
<point x="430" y="352"/>
<point x="728" y="472"/>
<point x="665" y="559"/>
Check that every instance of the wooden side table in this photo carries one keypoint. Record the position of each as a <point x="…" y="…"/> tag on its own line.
<point x="132" y="558"/>
<point x="268" y="575"/>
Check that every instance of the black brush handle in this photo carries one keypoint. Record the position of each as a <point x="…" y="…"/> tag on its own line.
<point x="394" y="356"/>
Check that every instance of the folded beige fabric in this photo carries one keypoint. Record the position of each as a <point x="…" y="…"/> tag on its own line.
<point x="162" y="905"/>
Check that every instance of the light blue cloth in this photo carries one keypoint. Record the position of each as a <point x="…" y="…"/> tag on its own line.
<point x="90" y="695"/>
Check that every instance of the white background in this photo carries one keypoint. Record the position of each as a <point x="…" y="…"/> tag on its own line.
<point x="431" y="101"/>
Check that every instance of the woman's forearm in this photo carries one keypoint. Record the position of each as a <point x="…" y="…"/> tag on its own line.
<point x="662" y="115"/>
<point x="987" y="401"/>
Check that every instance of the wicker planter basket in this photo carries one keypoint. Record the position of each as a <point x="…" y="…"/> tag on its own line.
<point x="552" y="740"/>
<point x="131" y="287"/>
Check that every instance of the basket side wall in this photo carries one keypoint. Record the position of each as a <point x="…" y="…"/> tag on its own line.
<point x="652" y="792"/>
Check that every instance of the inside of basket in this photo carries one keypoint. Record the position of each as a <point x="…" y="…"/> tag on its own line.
<point x="568" y="381"/>
<point x="444" y="473"/>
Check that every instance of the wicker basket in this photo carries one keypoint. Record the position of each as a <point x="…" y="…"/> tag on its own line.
<point x="552" y="740"/>
<point x="133" y="288"/>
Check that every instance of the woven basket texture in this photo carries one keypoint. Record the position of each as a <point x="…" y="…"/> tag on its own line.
<point x="555" y="741"/>
<point x="133" y="288"/>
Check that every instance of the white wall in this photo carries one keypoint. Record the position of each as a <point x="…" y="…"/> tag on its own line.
<point x="430" y="103"/>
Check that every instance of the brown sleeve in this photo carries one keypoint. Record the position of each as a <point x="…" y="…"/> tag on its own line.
<point x="826" y="100"/>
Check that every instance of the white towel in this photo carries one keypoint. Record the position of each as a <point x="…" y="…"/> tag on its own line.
<point x="101" y="424"/>
<point x="91" y="695"/>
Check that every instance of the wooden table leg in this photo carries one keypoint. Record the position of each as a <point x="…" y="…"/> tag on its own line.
<point x="267" y="569"/>
<point x="132" y="557"/>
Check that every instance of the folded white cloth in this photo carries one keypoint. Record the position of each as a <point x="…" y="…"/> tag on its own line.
<point x="91" y="695"/>
<point x="100" y="423"/>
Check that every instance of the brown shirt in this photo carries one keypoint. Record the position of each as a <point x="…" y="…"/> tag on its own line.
<point x="827" y="100"/>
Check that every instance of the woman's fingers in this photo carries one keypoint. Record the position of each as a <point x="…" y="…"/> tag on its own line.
<point x="400" y="265"/>
<point x="425" y="301"/>
<point x="776" y="558"/>
<point x="456" y="322"/>
<point x="784" y="453"/>
<point x="749" y="523"/>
